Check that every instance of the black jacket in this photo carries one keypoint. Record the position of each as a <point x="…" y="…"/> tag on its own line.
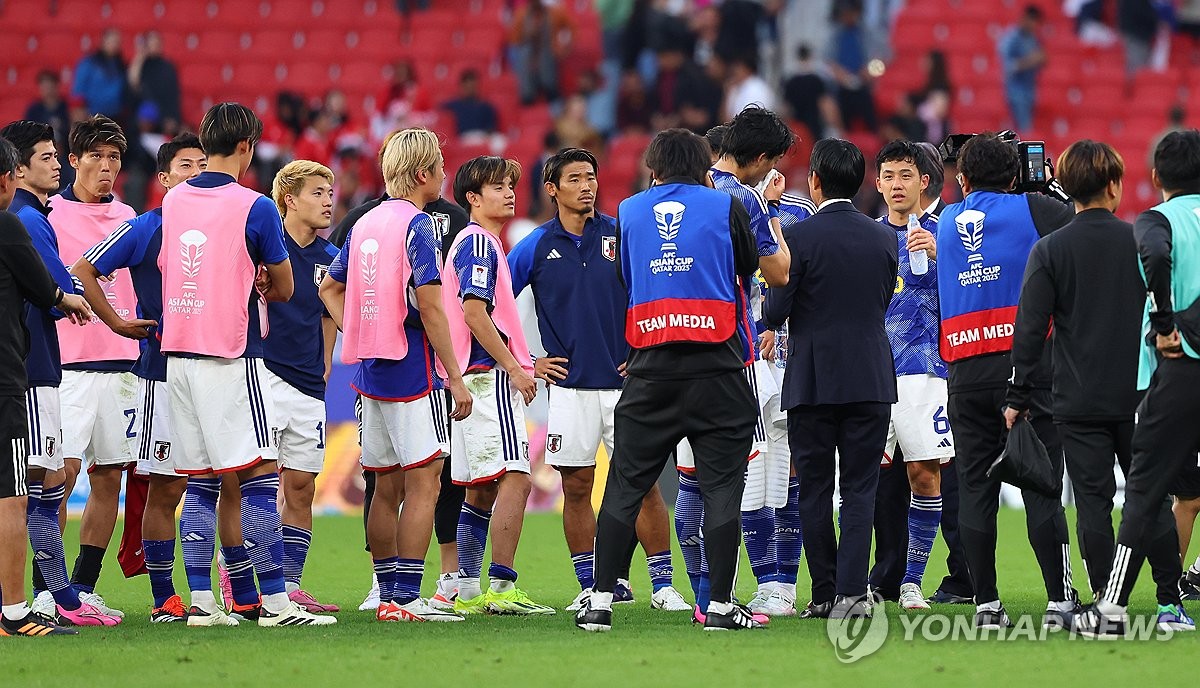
<point x="1084" y="281"/>
<point x="448" y="218"/>
<point x="842" y="278"/>
<point x="23" y="277"/>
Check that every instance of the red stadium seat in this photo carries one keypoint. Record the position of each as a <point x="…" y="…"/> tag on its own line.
<point x="196" y="15"/>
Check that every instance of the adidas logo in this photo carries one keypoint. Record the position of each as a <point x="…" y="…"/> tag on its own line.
<point x="248" y="543"/>
<point x="42" y="555"/>
<point x="694" y="540"/>
<point x="944" y="444"/>
<point x="192" y="537"/>
<point x="553" y="254"/>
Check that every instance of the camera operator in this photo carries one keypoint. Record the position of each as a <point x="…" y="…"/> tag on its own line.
<point x="983" y="243"/>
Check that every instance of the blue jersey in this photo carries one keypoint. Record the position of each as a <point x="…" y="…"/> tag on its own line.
<point x="412" y="377"/>
<point x="793" y="210"/>
<point x="477" y="284"/>
<point x="295" y="347"/>
<point x="579" y="299"/>
<point x="756" y="205"/>
<point x="43" y="365"/>
<point x="912" y="318"/>
<point x="135" y="245"/>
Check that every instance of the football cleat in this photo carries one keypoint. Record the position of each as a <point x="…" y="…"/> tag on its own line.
<point x="668" y="599"/>
<point x="580" y="600"/>
<point x="516" y="602"/>
<point x="474" y="605"/>
<point x="992" y="618"/>
<point x="1090" y="623"/>
<point x="371" y="602"/>
<point x="224" y="582"/>
<point x="44" y="606"/>
<point x="911" y="597"/>
<point x="623" y="592"/>
<point x="245" y="612"/>
<point x="98" y="602"/>
<point x="780" y="603"/>
<point x="417" y="610"/>
<point x="87" y="615"/>
<point x="737" y="619"/>
<point x="32" y="626"/>
<point x="310" y="604"/>
<point x="593" y="620"/>
<point x="171" y="611"/>
<point x="197" y="617"/>
<point x="1172" y="617"/>
<point x="760" y="598"/>
<point x="447" y="593"/>
<point x="292" y="615"/>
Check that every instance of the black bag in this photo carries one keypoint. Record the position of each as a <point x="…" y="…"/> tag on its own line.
<point x="1025" y="463"/>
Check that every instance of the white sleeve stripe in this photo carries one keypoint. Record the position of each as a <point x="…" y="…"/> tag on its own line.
<point x="95" y="252"/>
<point x="762" y="202"/>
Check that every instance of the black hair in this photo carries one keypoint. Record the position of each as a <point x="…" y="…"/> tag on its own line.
<point x="930" y="163"/>
<point x="900" y="150"/>
<point x="716" y="139"/>
<point x="754" y="132"/>
<point x="840" y="166"/>
<point x="168" y="151"/>
<point x="989" y="163"/>
<point x="678" y="153"/>
<point x="468" y="74"/>
<point x="26" y="134"/>
<point x="49" y="74"/>
<point x="1177" y="160"/>
<point x="481" y="171"/>
<point x="552" y="170"/>
<point x="225" y="125"/>
<point x="96" y="131"/>
<point x="8" y="157"/>
<point x="1034" y="12"/>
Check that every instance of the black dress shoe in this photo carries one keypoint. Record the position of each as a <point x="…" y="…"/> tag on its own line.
<point x="817" y="611"/>
<point x="943" y="597"/>
<point x="858" y="607"/>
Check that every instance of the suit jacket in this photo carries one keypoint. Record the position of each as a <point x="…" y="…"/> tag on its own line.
<point x="842" y="277"/>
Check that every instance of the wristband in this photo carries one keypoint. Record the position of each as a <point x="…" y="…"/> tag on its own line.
<point x="59" y="296"/>
<point x="773" y="209"/>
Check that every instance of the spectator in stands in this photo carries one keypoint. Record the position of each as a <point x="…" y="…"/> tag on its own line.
<point x="573" y="128"/>
<point x="539" y="38"/>
<point x="934" y="112"/>
<point x="472" y="114"/>
<point x="539" y="201"/>
<point x="1089" y="22"/>
<point x="100" y="77"/>
<point x="808" y="99"/>
<point x="51" y="108"/>
<point x="847" y="57"/>
<point x="402" y="103"/>
<point x="318" y="143"/>
<point x="743" y="85"/>
<point x="1022" y="57"/>
<point x="737" y="30"/>
<point x="904" y="122"/>
<point x="682" y="84"/>
<point x="633" y="105"/>
<point x="1175" y="122"/>
<point x="153" y="78"/>
<point x="1138" y="24"/>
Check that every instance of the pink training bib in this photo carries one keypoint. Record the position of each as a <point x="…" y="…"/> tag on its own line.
<point x="377" y="284"/>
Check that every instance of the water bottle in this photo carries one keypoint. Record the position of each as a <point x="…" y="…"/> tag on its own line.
<point x="917" y="260"/>
<point x="781" y="344"/>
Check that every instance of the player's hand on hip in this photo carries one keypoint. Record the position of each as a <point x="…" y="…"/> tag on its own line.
<point x="549" y="368"/>
<point x="766" y="344"/>
<point x="462" y="400"/>
<point x="524" y="383"/>
<point x="77" y="309"/>
<point x="136" y="328"/>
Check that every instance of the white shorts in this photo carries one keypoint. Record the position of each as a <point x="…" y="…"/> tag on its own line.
<point x="579" y="420"/>
<point x="492" y="440"/>
<point x="99" y="416"/>
<point x="299" y="433"/>
<point x="403" y="434"/>
<point x="221" y="414"/>
<point x="919" y="423"/>
<point x="151" y="445"/>
<point x="45" y="428"/>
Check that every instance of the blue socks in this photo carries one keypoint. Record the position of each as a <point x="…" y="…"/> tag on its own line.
<point x="408" y="580"/>
<point x="262" y="531"/>
<point x="385" y="575"/>
<point x="241" y="575"/>
<point x="198" y="531"/>
<point x="758" y="531"/>
<point x="689" y="511"/>
<point x="160" y="563"/>
<point x="660" y="569"/>
<point x="924" y="515"/>
<point x="471" y="539"/>
<point x="296" y="542"/>
<point x="44" y="535"/>
<point x="788" y="539"/>
<point x="584" y="568"/>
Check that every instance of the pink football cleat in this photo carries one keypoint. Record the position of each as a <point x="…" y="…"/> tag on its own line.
<point x="310" y="604"/>
<point x="87" y="615"/>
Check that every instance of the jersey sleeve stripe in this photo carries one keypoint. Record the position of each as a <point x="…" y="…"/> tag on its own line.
<point x="94" y="253"/>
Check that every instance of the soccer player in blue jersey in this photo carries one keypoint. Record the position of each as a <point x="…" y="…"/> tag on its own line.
<point x="298" y="353"/>
<point x="403" y="414"/>
<point x="37" y="177"/>
<point x="569" y="262"/>
<point x="919" y="425"/>
<point x="135" y="245"/>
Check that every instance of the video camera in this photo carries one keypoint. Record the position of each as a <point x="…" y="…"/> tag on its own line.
<point x="1033" y="175"/>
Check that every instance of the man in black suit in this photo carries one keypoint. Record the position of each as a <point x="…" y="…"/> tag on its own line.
<point x="840" y="381"/>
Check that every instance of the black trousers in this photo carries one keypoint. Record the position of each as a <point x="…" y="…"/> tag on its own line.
<point x="857" y="432"/>
<point x="891" y="532"/>
<point x="979" y="436"/>
<point x="1164" y="443"/>
<point x="1089" y="450"/>
<point x="717" y="415"/>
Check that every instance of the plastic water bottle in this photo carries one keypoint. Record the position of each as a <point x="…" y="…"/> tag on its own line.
<point x="917" y="260"/>
<point x="781" y="344"/>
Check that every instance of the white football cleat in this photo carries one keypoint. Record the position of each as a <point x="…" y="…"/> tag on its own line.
<point x="668" y="599"/>
<point x="778" y="603"/>
<point x="197" y="617"/>
<point x="98" y="602"/>
<point x="371" y="603"/>
<point x="44" y="605"/>
<point x="292" y="615"/>
<point x="420" y="610"/>
<point x="580" y="600"/>
<point x="761" y="595"/>
<point x="911" y="597"/>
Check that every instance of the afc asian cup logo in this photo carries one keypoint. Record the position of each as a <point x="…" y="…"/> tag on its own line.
<point x="553" y="443"/>
<point x="668" y="215"/>
<point x="369" y="263"/>
<point x="608" y="247"/>
<point x="191" y="251"/>
<point x="970" y="231"/>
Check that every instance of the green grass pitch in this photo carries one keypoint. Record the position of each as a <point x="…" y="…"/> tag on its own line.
<point x="646" y="647"/>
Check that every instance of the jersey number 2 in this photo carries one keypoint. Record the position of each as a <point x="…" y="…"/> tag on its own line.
<point x="131" y="414"/>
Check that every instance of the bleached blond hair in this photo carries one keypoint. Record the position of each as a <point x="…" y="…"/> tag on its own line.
<point x="406" y="153"/>
<point x="290" y="180"/>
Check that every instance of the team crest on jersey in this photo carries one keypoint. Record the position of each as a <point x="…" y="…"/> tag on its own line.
<point x="525" y="450"/>
<point x="319" y="272"/>
<point x="162" y="451"/>
<point x="441" y="224"/>
<point x="608" y="247"/>
<point x="50" y="446"/>
<point x="553" y="443"/>
<point x="276" y="433"/>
